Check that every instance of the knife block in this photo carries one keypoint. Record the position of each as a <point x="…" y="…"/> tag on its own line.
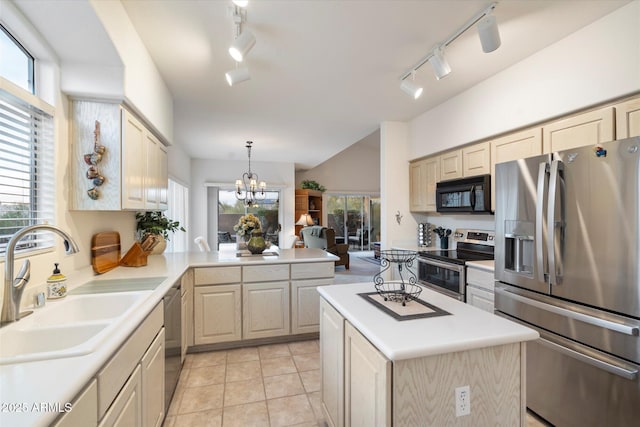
<point x="135" y="256"/>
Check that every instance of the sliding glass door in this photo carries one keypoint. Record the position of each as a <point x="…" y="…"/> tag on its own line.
<point x="356" y="219"/>
<point x="231" y="209"/>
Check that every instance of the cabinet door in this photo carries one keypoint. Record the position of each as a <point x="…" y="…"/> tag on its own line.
<point x="432" y="174"/>
<point x="332" y="364"/>
<point x="187" y="309"/>
<point x="589" y="128"/>
<point x="305" y="305"/>
<point x="367" y="376"/>
<point x="628" y="119"/>
<point x="451" y="165"/>
<point x="126" y="410"/>
<point x="480" y="298"/>
<point x="265" y="309"/>
<point x="417" y="184"/>
<point x="84" y="411"/>
<point x="133" y="165"/>
<point x="217" y="313"/>
<point x="163" y="178"/>
<point x="152" y="372"/>
<point x="151" y="179"/>
<point x="515" y="146"/>
<point x="476" y="159"/>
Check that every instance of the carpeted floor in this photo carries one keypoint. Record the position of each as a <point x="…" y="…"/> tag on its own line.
<point x="360" y="269"/>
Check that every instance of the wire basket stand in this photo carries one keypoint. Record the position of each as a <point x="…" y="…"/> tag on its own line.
<point x="402" y="290"/>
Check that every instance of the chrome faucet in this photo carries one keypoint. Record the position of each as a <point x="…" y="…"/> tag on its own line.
<point x="13" y="288"/>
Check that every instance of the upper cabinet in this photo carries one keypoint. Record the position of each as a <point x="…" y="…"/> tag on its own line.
<point x="117" y="163"/>
<point x="589" y="128"/>
<point x="476" y="159"/>
<point x="451" y="165"/>
<point x="423" y="176"/>
<point x="628" y="119"/>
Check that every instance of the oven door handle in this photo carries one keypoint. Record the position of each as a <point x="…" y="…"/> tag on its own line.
<point x="458" y="268"/>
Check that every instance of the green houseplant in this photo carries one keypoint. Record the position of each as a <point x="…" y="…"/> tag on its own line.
<point x="312" y="185"/>
<point x="155" y="222"/>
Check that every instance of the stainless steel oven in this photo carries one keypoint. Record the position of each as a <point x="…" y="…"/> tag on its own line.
<point x="445" y="271"/>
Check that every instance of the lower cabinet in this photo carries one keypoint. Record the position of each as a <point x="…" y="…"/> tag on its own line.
<point x="152" y="373"/>
<point x="265" y="309"/>
<point x="126" y="409"/>
<point x="480" y="284"/>
<point x="332" y="364"/>
<point x="305" y="305"/>
<point x="217" y="313"/>
<point x="84" y="411"/>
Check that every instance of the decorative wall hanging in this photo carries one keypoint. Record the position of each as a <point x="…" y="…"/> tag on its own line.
<point x="93" y="159"/>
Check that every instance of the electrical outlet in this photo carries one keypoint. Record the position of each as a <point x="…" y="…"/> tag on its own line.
<point x="463" y="401"/>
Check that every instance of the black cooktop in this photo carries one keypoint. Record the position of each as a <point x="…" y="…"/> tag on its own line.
<point x="464" y="252"/>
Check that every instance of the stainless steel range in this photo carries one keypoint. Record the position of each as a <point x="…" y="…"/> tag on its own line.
<point x="445" y="271"/>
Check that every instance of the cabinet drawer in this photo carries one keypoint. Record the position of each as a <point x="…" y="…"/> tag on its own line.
<point x="217" y="275"/>
<point x="119" y="367"/>
<point x="480" y="278"/>
<point x="265" y="273"/>
<point x="312" y="270"/>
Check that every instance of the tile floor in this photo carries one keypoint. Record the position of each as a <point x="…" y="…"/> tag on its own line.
<point x="271" y="385"/>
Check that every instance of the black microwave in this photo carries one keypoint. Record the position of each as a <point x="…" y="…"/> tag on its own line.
<point x="464" y="195"/>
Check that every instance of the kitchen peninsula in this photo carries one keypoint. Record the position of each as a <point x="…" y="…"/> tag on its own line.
<point x="380" y="371"/>
<point x="112" y="376"/>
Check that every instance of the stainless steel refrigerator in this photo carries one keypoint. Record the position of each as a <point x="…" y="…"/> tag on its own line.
<point x="567" y="257"/>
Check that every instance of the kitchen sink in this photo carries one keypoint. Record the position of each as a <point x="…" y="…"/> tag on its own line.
<point x="102" y="286"/>
<point x="86" y="308"/>
<point x="25" y="345"/>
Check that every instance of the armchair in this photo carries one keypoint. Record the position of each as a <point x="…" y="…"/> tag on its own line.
<point x="325" y="238"/>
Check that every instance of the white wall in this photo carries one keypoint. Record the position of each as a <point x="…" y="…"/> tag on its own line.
<point x="598" y="63"/>
<point x="179" y="165"/>
<point x="276" y="174"/>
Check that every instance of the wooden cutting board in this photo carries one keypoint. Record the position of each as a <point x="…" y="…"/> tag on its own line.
<point x="105" y="251"/>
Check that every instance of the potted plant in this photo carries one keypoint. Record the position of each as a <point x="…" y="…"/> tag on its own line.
<point x="156" y="223"/>
<point x="312" y="185"/>
<point x="245" y="227"/>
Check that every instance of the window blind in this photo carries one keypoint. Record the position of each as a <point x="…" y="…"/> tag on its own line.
<point x="27" y="181"/>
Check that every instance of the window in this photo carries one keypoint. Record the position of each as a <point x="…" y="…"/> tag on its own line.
<point x="178" y="210"/>
<point x="231" y="209"/>
<point x="17" y="64"/>
<point x="27" y="180"/>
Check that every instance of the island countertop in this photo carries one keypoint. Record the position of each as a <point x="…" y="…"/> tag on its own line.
<point x="465" y="328"/>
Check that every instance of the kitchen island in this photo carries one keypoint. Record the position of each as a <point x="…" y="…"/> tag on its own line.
<point x="377" y="370"/>
<point x="81" y="389"/>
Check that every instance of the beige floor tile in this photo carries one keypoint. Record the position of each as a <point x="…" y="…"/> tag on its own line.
<point x="291" y="410"/>
<point x="277" y="366"/>
<point x="188" y="360"/>
<point x="283" y="385"/>
<point x="241" y="392"/>
<point x="315" y="399"/>
<point x="273" y="350"/>
<point x="211" y="358"/>
<point x="206" y="375"/>
<point x="304" y="347"/>
<point x="249" y="415"/>
<point x="210" y="418"/>
<point x="169" y="421"/>
<point x="196" y="399"/>
<point x="175" y="401"/>
<point x="243" y="371"/>
<point x="308" y="424"/>
<point x="242" y="355"/>
<point x="307" y="362"/>
<point x="311" y="380"/>
<point x="182" y="381"/>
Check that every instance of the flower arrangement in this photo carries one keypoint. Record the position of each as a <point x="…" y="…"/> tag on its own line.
<point x="247" y="224"/>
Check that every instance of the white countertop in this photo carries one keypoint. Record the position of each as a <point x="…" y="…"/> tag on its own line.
<point x="488" y="265"/>
<point x="54" y="381"/>
<point x="467" y="327"/>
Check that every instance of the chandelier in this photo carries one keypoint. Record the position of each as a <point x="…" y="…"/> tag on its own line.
<point x="247" y="188"/>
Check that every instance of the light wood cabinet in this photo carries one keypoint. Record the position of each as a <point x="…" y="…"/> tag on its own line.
<point x="265" y="309"/>
<point x="476" y="159"/>
<point x="152" y="377"/>
<point x="305" y="305"/>
<point x="126" y="410"/>
<point x="451" y="165"/>
<point x="589" y="128"/>
<point x="217" y="312"/>
<point x="518" y="145"/>
<point x="332" y="364"/>
<point x="84" y="409"/>
<point x="367" y="376"/>
<point x="423" y="176"/>
<point x="628" y="119"/>
<point x="308" y="201"/>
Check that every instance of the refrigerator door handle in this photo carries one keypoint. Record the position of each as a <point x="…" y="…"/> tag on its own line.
<point x="595" y="321"/>
<point x="555" y="264"/>
<point x="542" y="175"/>
<point x="630" y="374"/>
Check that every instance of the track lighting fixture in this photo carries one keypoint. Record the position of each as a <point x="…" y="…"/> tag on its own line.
<point x="242" y="45"/>
<point x="440" y="65"/>
<point x="489" y="38"/>
<point x="411" y="88"/>
<point x="240" y="3"/>
<point x="238" y="75"/>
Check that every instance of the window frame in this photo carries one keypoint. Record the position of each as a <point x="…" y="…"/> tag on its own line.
<point x="31" y="78"/>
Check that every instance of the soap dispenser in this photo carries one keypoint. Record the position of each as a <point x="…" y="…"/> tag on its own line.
<point x="56" y="284"/>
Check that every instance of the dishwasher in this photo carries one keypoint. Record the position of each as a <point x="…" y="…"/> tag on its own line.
<point x="173" y="341"/>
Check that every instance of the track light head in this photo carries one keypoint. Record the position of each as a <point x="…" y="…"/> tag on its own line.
<point x="488" y="33"/>
<point x="439" y="63"/>
<point x="411" y="89"/>
<point x="240" y="3"/>
<point x="238" y="75"/>
<point x="242" y="45"/>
